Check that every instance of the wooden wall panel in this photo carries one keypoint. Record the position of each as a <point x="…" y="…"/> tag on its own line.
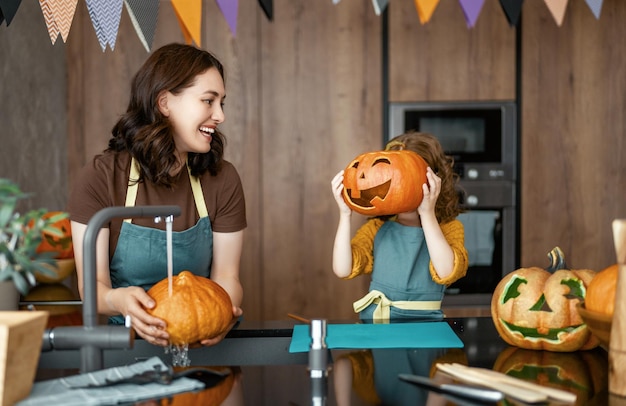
<point x="443" y="60"/>
<point x="320" y="107"/>
<point x="573" y="125"/>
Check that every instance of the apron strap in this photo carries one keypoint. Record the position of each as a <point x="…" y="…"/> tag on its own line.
<point x="131" y="191"/>
<point x="382" y="310"/>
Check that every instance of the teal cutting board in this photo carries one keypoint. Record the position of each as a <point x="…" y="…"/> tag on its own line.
<point x="393" y="335"/>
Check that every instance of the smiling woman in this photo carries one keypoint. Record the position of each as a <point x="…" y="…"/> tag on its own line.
<point x="165" y="150"/>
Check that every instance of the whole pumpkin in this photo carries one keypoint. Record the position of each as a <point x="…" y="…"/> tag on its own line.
<point x="601" y="291"/>
<point x="384" y="182"/>
<point x="583" y="373"/>
<point x="61" y="246"/>
<point x="197" y="309"/>
<point x="534" y="308"/>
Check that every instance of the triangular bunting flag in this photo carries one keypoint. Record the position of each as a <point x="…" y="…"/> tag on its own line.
<point x="471" y="9"/>
<point x="58" y="15"/>
<point x="379" y="6"/>
<point x="425" y="9"/>
<point x="8" y="9"/>
<point x="595" y="6"/>
<point x="105" y="17"/>
<point x="229" y="10"/>
<point x="51" y="24"/>
<point x="557" y="8"/>
<point x="144" y="15"/>
<point x="512" y="9"/>
<point x="268" y="8"/>
<point x="189" y="14"/>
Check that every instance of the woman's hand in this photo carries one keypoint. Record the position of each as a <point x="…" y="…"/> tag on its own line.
<point x="337" y="185"/>
<point x="133" y="301"/>
<point x="237" y="312"/>
<point x="431" y="191"/>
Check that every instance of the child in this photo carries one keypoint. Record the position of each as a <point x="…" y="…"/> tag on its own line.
<point x="412" y="256"/>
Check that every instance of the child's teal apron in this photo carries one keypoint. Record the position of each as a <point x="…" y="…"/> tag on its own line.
<point x="401" y="286"/>
<point x="140" y="258"/>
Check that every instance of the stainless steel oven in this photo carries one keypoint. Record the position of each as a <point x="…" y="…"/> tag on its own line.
<point x="482" y="139"/>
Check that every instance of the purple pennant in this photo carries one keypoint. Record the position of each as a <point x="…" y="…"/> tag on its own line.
<point x="512" y="9"/>
<point x="229" y="9"/>
<point x="595" y="6"/>
<point x="105" y="17"/>
<point x="471" y="8"/>
<point x="8" y="9"/>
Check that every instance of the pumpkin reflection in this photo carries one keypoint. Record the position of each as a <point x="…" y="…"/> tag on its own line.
<point x="584" y="373"/>
<point x="372" y="375"/>
<point x="208" y="397"/>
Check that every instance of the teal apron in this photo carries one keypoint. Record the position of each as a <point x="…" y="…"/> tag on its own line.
<point x="401" y="286"/>
<point x="140" y="258"/>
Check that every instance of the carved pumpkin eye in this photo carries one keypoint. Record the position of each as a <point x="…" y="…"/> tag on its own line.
<point x="381" y="161"/>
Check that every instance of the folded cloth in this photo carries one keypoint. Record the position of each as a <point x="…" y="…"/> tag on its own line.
<point x="100" y="387"/>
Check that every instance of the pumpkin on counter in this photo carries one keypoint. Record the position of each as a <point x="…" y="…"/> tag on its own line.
<point x="601" y="291"/>
<point x="197" y="309"/>
<point x="535" y="308"/>
<point x="384" y="182"/>
<point x="583" y="373"/>
<point x="61" y="246"/>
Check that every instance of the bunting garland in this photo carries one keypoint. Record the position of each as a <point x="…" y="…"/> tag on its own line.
<point x="144" y="16"/>
<point x="8" y="9"/>
<point x="471" y="9"/>
<point x="557" y="9"/>
<point x="58" y="16"/>
<point x="105" y="15"/>
<point x="189" y="14"/>
<point x="425" y="9"/>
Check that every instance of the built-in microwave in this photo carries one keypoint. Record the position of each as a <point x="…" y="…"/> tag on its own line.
<point x="482" y="139"/>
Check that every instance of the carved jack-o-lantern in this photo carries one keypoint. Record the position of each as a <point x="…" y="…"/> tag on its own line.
<point x="534" y="308"/>
<point x="384" y="182"/>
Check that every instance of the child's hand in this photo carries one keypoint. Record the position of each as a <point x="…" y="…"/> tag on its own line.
<point x="431" y="193"/>
<point x="337" y="185"/>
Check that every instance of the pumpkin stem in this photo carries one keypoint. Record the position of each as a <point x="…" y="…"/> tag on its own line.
<point x="392" y="144"/>
<point x="557" y="260"/>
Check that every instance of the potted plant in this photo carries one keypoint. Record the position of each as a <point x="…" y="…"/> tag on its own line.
<point x="20" y="235"/>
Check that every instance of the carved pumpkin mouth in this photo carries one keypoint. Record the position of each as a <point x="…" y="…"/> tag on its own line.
<point x="368" y="195"/>
<point x="533" y="333"/>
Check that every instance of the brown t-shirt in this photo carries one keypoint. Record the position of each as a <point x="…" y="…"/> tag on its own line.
<point x="103" y="183"/>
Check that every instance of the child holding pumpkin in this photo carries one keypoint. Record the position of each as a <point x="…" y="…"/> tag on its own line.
<point x="411" y="256"/>
<point x="165" y="150"/>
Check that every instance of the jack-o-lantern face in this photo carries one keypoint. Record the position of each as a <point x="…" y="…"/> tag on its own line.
<point x="583" y="373"/>
<point x="384" y="182"/>
<point x="536" y="309"/>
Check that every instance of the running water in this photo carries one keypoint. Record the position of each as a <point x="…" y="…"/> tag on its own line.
<point x="180" y="353"/>
<point x="170" y="262"/>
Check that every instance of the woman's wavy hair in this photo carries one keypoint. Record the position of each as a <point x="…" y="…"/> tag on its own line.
<point x="146" y="133"/>
<point x="428" y="147"/>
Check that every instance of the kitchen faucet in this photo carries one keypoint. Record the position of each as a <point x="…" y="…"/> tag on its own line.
<point x="90" y="338"/>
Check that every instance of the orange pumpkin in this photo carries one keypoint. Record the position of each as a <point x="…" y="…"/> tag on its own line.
<point x="384" y="182"/>
<point x="601" y="291"/>
<point x="584" y="373"/>
<point x="62" y="246"/>
<point x="197" y="309"/>
<point x="534" y="308"/>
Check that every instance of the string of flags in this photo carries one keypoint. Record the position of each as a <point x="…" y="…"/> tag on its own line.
<point x="105" y="15"/>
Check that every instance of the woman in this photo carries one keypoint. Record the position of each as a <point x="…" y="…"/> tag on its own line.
<point x="165" y="150"/>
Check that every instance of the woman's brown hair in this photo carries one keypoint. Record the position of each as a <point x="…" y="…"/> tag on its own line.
<point x="148" y="135"/>
<point x="429" y="148"/>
